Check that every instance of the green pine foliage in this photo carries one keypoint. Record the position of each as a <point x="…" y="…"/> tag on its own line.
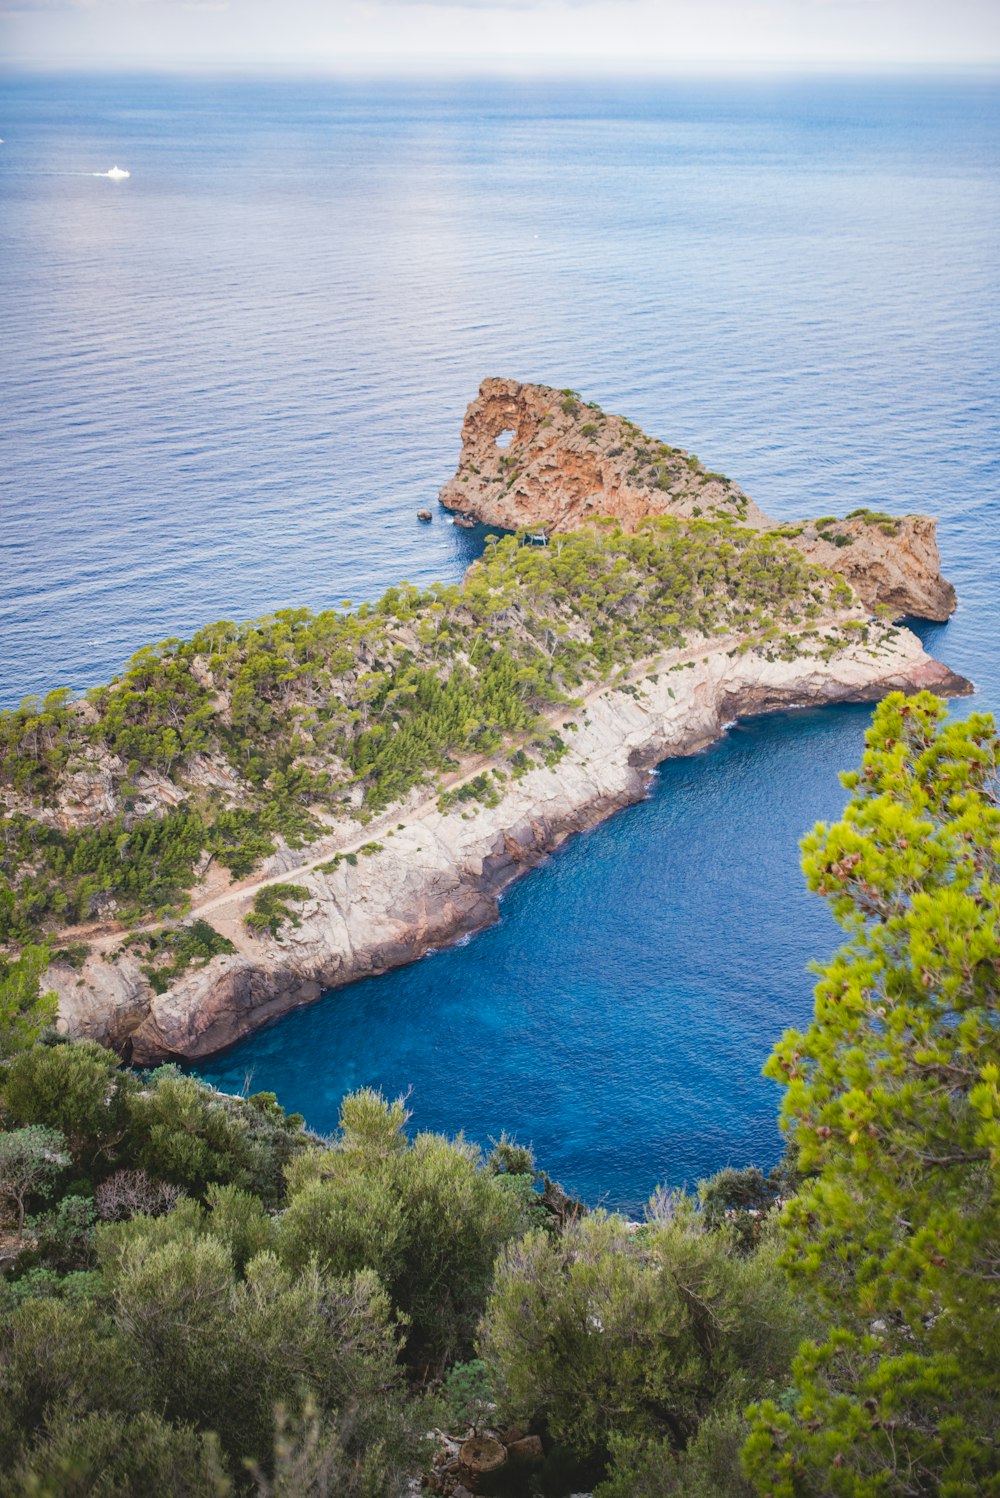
<point x="273" y="908"/>
<point x="24" y="1011"/>
<point x="173" y="950"/>
<point x="892" y="1101"/>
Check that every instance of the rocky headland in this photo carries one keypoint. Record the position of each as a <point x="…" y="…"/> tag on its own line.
<point x="249" y="818"/>
<point x="545" y="459"/>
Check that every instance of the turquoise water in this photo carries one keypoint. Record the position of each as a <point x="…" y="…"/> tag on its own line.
<point x="228" y="383"/>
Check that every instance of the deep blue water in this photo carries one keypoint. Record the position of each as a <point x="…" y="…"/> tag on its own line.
<point x="227" y="384"/>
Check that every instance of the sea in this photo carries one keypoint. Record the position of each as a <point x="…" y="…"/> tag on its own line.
<point x="229" y="381"/>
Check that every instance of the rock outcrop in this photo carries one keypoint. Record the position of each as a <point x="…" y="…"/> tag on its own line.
<point x="438" y="875"/>
<point x="894" y="563"/>
<point x="544" y="459"/>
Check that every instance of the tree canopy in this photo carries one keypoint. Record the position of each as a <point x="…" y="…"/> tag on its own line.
<point x="892" y="1106"/>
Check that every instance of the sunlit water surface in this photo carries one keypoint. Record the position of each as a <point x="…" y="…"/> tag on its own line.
<point x="228" y="383"/>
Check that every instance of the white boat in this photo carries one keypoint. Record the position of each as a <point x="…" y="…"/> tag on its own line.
<point x="118" y="174"/>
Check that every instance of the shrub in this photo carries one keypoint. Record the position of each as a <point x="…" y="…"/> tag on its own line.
<point x="132" y="1193"/>
<point x="467" y="1396"/>
<point x="604" y="1332"/>
<point x="425" y="1216"/>
<point x="77" y="1088"/>
<point x="174" y="950"/>
<point x="31" y="1159"/>
<point x="120" y="1455"/>
<point x="185" y="1133"/>
<point x="272" y="910"/>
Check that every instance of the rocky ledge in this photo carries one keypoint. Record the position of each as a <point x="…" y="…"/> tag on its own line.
<point x="431" y="875"/>
<point x="544" y="459"/>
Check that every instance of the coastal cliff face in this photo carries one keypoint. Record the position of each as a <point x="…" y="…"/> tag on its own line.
<point x="438" y="874"/>
<point x="533" y="457"/>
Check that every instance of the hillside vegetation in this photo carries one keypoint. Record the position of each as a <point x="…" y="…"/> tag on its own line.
<point x="202" y="1298"/>
<point x="247" y="736"/>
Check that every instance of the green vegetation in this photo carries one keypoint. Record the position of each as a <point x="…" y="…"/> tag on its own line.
<point x="482" y="788"/>
<point x="174" y="950"/>
<point x="24" y="1012"/>
<point x="272" y="908"/>
<point x="201" y="1298"/>
<point x="630" y="1339"/>
<point x="230" y="1297"/>
<point x="892" y="1101"/>
<point x="889" y="525"/>
<point x="223" y="746"/>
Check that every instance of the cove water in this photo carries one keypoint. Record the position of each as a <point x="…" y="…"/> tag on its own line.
<point x="229" y="381"/>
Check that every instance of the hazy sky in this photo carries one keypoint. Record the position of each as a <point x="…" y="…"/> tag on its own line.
<point x="533" y="35"/>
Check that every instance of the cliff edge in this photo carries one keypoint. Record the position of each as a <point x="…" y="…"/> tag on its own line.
<point x="543" y="459"/>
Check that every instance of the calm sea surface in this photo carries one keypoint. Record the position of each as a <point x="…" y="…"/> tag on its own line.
<point x="227" y="384"/>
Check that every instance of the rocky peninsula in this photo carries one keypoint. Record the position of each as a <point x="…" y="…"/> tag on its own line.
<point x="266" y="811"/>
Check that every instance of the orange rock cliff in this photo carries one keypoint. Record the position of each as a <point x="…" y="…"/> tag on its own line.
<point x="533" y="457"/>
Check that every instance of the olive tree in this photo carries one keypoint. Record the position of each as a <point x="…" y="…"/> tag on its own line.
<point x="30" y="1160"/>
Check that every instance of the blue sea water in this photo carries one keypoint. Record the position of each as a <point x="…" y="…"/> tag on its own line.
<point x="228" y="383"/>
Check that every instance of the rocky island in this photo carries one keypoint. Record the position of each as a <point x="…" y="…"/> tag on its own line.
<point x="267" y="810"/>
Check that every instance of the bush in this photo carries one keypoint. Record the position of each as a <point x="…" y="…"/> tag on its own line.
<point x="188" y="1318"/>
<point x="425" y="1216"/>
<point x="604" y="1332"/>
<point x="118" y="1456"/>
<point x="272" y="910"/>
<point x="710" y="1467"/>
<point x="185" y="1133"/>
<point x="174" y="950"/>
<point x="78" y="1088"/>
<point x="31" y="1160"/>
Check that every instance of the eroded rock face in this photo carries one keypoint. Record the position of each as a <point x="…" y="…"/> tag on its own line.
<point x="543" y="459"/>
<point x="438" y="877"/>
<point x="896" y="565"/>
<point x="560" y="462"/>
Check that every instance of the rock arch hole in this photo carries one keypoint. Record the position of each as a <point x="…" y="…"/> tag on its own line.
<point x="506" y="437"/>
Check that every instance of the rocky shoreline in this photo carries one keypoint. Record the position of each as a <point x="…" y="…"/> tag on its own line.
<point x="432" y="876"/>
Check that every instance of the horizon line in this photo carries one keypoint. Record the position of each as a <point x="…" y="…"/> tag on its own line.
<point x="513" y="69"/>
